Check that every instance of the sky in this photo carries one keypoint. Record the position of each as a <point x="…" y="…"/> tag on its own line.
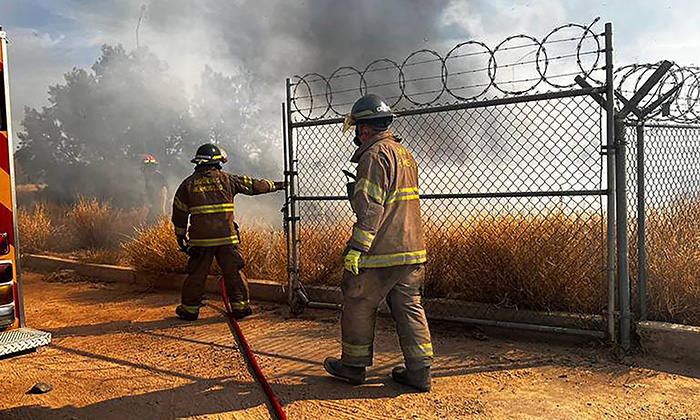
<point x="275" y="39"/>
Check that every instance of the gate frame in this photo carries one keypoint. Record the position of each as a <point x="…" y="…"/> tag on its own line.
<point x="613" y="147"/>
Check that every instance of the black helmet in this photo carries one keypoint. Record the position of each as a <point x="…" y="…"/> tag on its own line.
<point x="209" y="154"/>
<point x="369" y="109"/>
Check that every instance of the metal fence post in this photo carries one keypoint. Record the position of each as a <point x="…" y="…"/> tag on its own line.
<point x="291" y="172"/>
<point x="641" y="225"/>
<point x="622" y="256"/>
<point x="610" y="134"/>
<point x="285" y="209"/>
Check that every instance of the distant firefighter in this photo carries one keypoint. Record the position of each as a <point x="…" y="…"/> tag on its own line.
<point x="156" y="192"/>
<point x="385" y="256"/>
<point x="205" y="198"/>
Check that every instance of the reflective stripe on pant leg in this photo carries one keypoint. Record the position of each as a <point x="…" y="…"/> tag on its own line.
<point x="361" y="297"/>
<point x="191" y="309"/>
<point x="197" y="271"/>
<point x="409" y="316"/>
<point x="239" y="305"/>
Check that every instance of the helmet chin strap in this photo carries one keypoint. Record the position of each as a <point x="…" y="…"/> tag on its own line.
<point x="356" y="139"/>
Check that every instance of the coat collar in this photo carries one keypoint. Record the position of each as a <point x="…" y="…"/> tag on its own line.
<point x="371" y="142"/>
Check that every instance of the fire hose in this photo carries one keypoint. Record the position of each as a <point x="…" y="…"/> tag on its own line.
<point x="250" y="358"/>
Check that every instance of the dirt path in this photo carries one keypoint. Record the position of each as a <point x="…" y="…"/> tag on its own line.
<point x="118" y="353"/>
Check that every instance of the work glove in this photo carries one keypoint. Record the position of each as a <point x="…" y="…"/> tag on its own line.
<point x="352" y="261"/>
<point x="182" y="243"/>
<point x="280" y="185"/>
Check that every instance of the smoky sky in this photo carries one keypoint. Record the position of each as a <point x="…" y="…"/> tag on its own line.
<point x="278" y="39"/>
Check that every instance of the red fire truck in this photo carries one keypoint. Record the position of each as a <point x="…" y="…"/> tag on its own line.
<point x="15" y="337"/>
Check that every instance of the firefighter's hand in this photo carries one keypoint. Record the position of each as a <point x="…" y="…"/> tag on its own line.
<point x="280" y="185"/>
<point x="352" y="261"/>
<point x="182" y="243"/>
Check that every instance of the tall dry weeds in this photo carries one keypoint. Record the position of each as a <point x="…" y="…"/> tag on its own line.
<point x="548" y="262"/>
<point x="92" y="224"/>
<point x="154" y="249"/>
<point x="673" y="262"/>
<point x="36" y="229"/>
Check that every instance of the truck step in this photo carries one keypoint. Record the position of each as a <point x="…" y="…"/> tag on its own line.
<point x="21" y="339"/>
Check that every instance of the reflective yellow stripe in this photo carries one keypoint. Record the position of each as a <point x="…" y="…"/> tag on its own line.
<point x="371" y="189"/>
<point x="357" y="350"/>
<point x="362" y="237"/>
<point x="270" y="184"/>
<point x="390" y="260"/>
<point x="419" y="350"/>
<point x="235" y="304"/>
<point x="212" y="208"/>
<point x="180" y="205"/>
<point x="403" y="194"/>
<point x="248" y="183"/>
<point x="227" y="240"/>
<point x="191" y="309"/>
<point x="180" y="230"/>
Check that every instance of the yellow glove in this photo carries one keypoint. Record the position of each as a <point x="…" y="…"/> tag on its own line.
<point x="352" y="261"/>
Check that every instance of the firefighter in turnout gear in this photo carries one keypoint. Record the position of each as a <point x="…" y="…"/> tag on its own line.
<point x="156" y="191"/>
<point x="205" y="198"/>
<point x="386" y="254"/>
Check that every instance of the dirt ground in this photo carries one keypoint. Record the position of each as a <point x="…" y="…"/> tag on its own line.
<point x="119" y="353"/>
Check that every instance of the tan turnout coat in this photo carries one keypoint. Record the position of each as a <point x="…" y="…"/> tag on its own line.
<point x="385" y="200"/>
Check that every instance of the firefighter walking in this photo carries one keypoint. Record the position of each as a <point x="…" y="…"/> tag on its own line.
<point x="386" y="254"/>
<point x="206" y="199"/>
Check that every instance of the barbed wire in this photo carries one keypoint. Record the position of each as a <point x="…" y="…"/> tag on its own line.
<point x="681" y="107"/>
<point x="427" y="78"/>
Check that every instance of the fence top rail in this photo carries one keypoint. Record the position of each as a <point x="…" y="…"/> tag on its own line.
<point x="468" y="105"/>
<point x="472" y="70"/>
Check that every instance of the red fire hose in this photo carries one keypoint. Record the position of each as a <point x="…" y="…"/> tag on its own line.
<point x="252" y="361"/>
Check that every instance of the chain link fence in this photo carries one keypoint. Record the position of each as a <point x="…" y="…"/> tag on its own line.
<point x="513" y="183"/>
<point x="664" y="224"/>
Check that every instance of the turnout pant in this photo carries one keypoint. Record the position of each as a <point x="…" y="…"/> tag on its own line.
<point x="231" y="262"/>
<point x="362" y="295"/>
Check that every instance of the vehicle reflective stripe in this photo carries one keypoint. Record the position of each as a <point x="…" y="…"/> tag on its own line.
<point x="180" y="205"/>
<point x="362" y="237"/>
<point x="239" y="304"/>
<point x="180" y="230"/>
<point x="270" y="184"/>
<point x="227" y="240"/>
<point x="191" y="309"/>
<point x="419" y="350"/>
<point x="403" y="194"/>
<point x="212" y="208"/>
<point x="371" y="189"/>
<point x="389" y="260"/>
<point x="356" y="350"/>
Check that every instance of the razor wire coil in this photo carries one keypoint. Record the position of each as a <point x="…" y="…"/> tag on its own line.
<point x="314" y="96"/>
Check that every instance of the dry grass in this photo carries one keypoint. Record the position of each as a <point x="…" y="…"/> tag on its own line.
<point x="154" y="249"/>
<point x="551" y="262"/>
<point x="96" y="225"/>
<point x="36" y="229"/>
<point x="673" y="262"/>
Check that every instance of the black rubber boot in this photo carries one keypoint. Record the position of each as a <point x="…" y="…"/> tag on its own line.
<point x="241" y="313"/>
<point x="418" y="379"/>
<point x="353" y="374"/>
<point x="183" y="313"/>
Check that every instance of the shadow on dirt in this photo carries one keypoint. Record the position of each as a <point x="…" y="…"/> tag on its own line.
<point x="124" y="326"/>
